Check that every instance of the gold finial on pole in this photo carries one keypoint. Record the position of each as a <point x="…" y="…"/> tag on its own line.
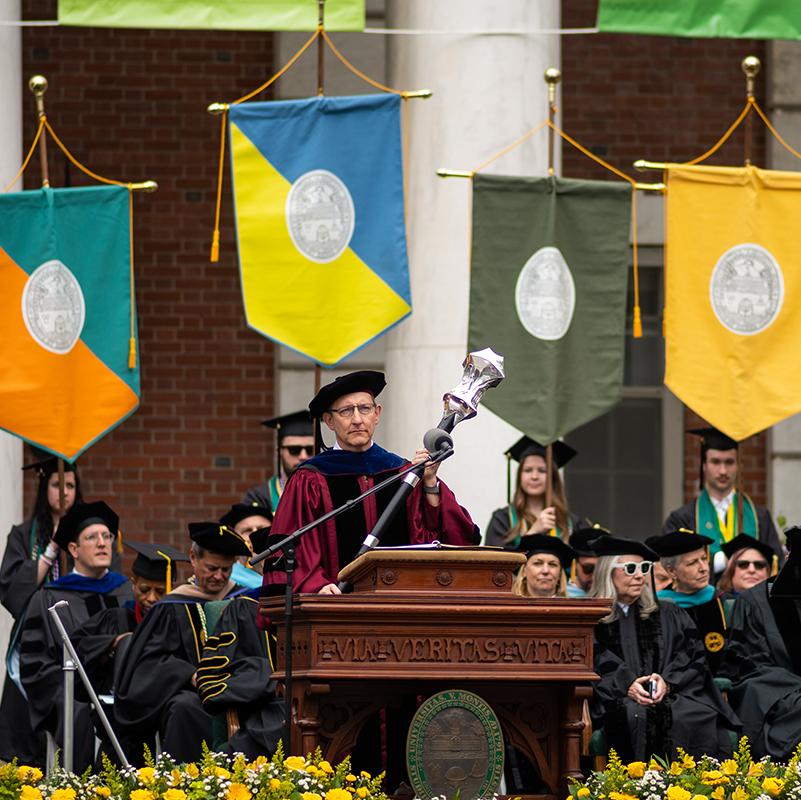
<point x="38" y="85"/>
<point x="552" y="77"/>
<point x="320" y="48"/>
<point x="215" y="109"/>
<point x="750" y="66"/>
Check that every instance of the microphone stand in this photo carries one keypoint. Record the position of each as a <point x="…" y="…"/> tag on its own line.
<point x="373" y="539"/>
<point x="287" y="544"/>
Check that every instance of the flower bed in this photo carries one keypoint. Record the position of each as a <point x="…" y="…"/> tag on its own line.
<point x="216" y="777"/>
<point x="736" y="778"/>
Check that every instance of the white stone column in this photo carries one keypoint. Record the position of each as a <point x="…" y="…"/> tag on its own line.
<point x="488" y="90"/>
<point x="11" y="83"/>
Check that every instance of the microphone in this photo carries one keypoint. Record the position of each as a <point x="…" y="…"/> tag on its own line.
<point x="437" y="440"/>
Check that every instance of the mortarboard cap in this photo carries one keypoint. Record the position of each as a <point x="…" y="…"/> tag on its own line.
<point x="523" y="447"/>
<point x="218" y="539"/>
<point x="241" y="511"/>
<point x="616" y="546"/>
<point x="582" y="539"/>
<point x="543" y="543"/>
<point x="679" y="542"/>
<point x="365" y="380"/>
<point x="81" y="516"/>
<point x="743" y="541"/>
<point x="154" y="561"/>
<point x="46" y="464"/>
<point x="298" y="423"/>
<point x="259" y="540"/>
<point x="788" y="581"/>
<point x="713" y="439"/>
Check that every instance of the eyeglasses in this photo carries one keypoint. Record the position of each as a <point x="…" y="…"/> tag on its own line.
<point x="93" y="537"/>
<point x="346" y="412"/>
<point x="631" y="567"/>
<point x="588" y="569"/>
<point x="297" y="449"/>
<point x="744" y="563"/>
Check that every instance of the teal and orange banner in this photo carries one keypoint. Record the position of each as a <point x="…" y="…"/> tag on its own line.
<point x="318" y="194"/>
<point x="66" y="316"/>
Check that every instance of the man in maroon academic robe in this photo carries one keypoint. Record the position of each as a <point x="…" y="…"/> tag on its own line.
<point x="348" y="407"/>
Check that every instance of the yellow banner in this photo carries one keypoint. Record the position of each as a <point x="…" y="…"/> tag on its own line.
<point x="732" y="289"/>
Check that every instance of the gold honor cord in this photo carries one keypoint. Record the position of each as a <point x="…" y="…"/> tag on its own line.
<point x="552" y="77"/>
<point x="38" y="85"/>
<point x="168" y="583"/>
<point x="322" y="35"/>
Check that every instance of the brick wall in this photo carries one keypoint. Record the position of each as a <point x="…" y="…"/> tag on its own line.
<point x="131" y="105"/>
<point x="662" y="99"/>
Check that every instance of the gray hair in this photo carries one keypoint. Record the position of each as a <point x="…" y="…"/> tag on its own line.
<point x="603" y="588"/>
<point x="670" y="562"/>
<point x="196" y="550"/>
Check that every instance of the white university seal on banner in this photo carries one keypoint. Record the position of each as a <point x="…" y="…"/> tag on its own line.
<point x="53" y="307"/>
<point x="545" y="295"/>
<point x="320" y="215"/>
<point x="746" y="289"/>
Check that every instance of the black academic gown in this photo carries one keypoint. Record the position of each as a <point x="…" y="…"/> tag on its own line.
<point x="41" y="653"/>
<point x="692" y="716"/>
<point x="500" y="524"/>
<point x="686" y="517"/>
<point x="236" y="673"/>
<point x="154" y="690"/>
<point x="765" y="671"/>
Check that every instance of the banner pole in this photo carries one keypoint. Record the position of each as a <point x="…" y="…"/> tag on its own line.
<point x="320" y="49"/>
<point x="750" y="66"/>
<point x="38" y="85"/>
<point x="552" y="77"/>
<point x="548" y="475"/>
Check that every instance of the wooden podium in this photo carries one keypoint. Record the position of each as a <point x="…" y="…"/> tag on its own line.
<point x="423" y="620"/>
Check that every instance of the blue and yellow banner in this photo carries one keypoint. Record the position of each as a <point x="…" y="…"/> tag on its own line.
<point x="65" y="316"/>
<point x="318" y="192"/>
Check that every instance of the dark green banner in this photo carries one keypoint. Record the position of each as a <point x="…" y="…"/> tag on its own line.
<point x="548" y="292"/>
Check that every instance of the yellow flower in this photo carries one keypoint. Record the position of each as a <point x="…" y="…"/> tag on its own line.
<point x="30" y="793"/>
<point x="365" y="774"/>
<point x="583" y="792"/>
<point x="192" y="771"/>
<point x="729" y="767"/>
<point x="773" y="786"/>
<point x="102" y="791"/>
<point x="362" y="792"/>
<point x="621" y="796"/>
<point x="275" y="783"/>
<point x="222" y="773"/>
<point x="311" y="796"/>
<point x="719" y="793"/>
<point x="326" y="767"/>
<point x="312" y="770"/>
<point x="259" y="762"/>
<point x="69" y="794"/>
<point x="29" y="774"/>
<point x="636" y="769"/>
<point x="688" y="762"/>
<point x="142" y="794"/>
<point x="350" y="777"/>
<point x="238" y="791"/>
<point x="677" y="793"/>
<point x="295" y="762"/>
<point x="337" y="794"/>
<point x="699" y="797"/>
<point x="675" y="768"/>
<point x="755" y="770"/>
<point x="739" y="794"/>
<point x="713" y="777"/>
<point x="146" y="775"/>
<point x="655" y="765"/>
<point x="175" y="794"/>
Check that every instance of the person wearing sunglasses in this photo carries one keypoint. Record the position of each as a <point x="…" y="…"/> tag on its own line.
<point x="348" y="408"/>
<point x="582" y="569"/>
<point x="655" y="691"/>
<point x="294" y="444"/>
<point x="684" y="554"/>
<point x="750" y="563"/>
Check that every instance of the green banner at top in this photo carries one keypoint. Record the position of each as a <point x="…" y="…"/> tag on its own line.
<point x="732" y="19"/>
<point x="239" y="15"/>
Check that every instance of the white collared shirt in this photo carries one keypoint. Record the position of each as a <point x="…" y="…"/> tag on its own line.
<point x="722" y="506"/>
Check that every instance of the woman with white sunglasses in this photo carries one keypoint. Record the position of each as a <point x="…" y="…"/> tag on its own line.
<point x="655" y="691"/>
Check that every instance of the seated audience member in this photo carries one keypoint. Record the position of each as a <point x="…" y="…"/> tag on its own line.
<point x="661" y="579"/>
<point x="235" y="673"/>
<point x="156" y="687"/>
<point x="245" y="518"/>
<point x="749" y="563"/>
<point x="527" y="514"/>
<point x="655" y="691"/>
<point x="543" y="574"/>
<point x="87" y="532"/>
<point x="685" y="557"/>
<point x="763" y="659"/>
<point x="583" y="566"/>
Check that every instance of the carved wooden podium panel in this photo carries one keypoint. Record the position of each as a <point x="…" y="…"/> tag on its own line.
<point x="423" y="620"/>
